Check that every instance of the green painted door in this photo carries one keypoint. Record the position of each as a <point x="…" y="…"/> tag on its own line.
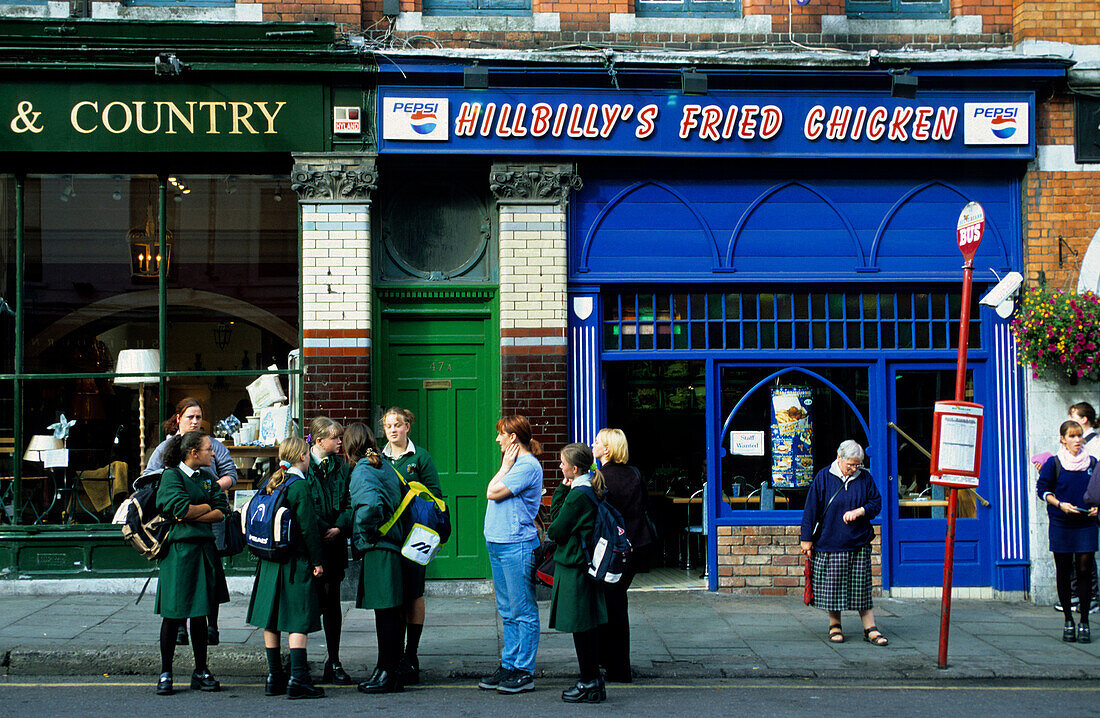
<point x="444" y="369"/>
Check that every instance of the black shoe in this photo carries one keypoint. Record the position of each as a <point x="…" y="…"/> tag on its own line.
<point x="1084" y="633"/>
<point x="213" y="638"/>
<point x="490" y="683"/>
<point x="1069" y="633"/>
<point x="382" y="682"/>
<point x="603" y="689"/>
<point x="164" y="685"/>
<point x="296" y="689"/>
<point x="181" y="636"/>
<point x="204" y="681"/>
<point x="583" y="693"/>
<point x="409" y="672"/>
<point x="335" y="674"/>
<point x="276" y="684"/>
<point x="517" y="682"/>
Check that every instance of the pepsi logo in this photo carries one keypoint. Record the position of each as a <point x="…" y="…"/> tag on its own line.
<point x="1003" y="126"/>
<point x="423" y="123"/>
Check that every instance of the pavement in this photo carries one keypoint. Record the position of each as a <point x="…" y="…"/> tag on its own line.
<point x="677" y="635"/>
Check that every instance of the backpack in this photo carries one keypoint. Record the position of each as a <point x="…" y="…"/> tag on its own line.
<point x="142" y="523"/>
<point x="429" y="522"/>
<point x="267" y="523"/>
<point x="608" y="548"/>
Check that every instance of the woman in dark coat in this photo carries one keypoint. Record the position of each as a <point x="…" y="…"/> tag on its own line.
<point x="627" y="493"/>
<point x="285" y="594"/>
<point x="191" y="580"/>
<point x="577" y="603"/>
<point x="328" y="475"/>
<point x="1062" y="482"/>
<point x="837" y="534"/>
<point x="414" y="463"/>
<point x="375" y="495"/>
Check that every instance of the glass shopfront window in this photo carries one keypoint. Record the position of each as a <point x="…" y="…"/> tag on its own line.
<point x="92" y="289"/>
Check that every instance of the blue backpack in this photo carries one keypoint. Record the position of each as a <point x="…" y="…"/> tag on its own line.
<point x="608" y="548"/>
<point x="268" y="523"/>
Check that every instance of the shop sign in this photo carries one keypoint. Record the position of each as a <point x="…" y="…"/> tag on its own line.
<point x="347" y="120"/>
<point x="160" y="117"/>
<point x="733" y="124"/>
<point x="956" y="444"/>
<point x="747" y="443"/>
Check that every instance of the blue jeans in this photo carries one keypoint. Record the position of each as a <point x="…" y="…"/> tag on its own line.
<point x="513" y="564"/>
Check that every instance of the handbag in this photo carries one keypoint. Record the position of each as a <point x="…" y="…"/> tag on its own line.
<point x="808" y="589"/>
<point x="232" y="542"/>
<point x="545" y="564"/>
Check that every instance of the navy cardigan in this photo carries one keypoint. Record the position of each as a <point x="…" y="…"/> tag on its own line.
<point x="835" y="534"/>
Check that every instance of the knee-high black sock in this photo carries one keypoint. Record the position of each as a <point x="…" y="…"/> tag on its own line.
<point x="198" y="642"/>
<point x="274" y="661"/>
<point x="1085" y="568"/>
<point x="1063" y="571"/>
<point x="588" y="654"/>
<point x="412" y="642"/>
<point x="168" y="629"/>
<point x="213" y="617"/>
<point x="332" y="618"/>
<point x="299" y="667"/>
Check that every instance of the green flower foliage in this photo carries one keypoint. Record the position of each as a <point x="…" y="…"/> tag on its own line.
<point x="1058" y="334"/>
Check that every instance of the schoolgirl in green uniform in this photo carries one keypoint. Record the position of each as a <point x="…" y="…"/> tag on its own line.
<point x="376" y="493"/>
<point x="284" y="595"/>
<point x="415" y="464"/>
<point x="577" y="604"/>
<point x="328" y="476"/>
<point x="191" y="582"/>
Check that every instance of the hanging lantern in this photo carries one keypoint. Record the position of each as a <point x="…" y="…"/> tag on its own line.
<point x="144" y="259"/>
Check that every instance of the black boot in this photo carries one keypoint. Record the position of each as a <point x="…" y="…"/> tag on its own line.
<point x="276" y="684"/>
<point x="582" y="692"/>
<point x="409" y="671"/>
<point x="296" y="689"/>
<point x="382" y="682"/>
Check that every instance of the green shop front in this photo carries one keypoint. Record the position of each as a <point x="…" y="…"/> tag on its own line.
<point x="146" y="203"/>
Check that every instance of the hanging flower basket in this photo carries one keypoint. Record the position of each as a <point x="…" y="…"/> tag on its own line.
<point x="1058" y="334"/>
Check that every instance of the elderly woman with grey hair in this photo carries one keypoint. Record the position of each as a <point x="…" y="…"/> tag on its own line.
<point x="837" y="534"/>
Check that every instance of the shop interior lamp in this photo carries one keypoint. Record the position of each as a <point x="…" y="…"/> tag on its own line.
<point x="144" y="259"/>
<point x="138" y="362"/>
<point x="39" y="445"/>
<point x="475" y="78"/>
<point x="903" y="86"/>
<point x="693" y="82"/>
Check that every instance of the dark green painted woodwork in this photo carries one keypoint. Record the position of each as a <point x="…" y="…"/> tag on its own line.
<point x="439" y="357"/>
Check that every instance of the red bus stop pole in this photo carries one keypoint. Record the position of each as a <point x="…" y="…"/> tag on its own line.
<point x="953" y="495"/>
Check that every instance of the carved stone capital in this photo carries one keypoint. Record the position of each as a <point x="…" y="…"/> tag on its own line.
<point x="337" y="177"/>
<point x="534" y="183"/>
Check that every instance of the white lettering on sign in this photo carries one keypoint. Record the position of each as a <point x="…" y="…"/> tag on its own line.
<point x="119" y="117"/>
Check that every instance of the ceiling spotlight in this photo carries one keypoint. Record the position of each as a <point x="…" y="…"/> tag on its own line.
<point x="278" y="196"/>
<point x="67" y="189"/>
<point x="117" y="194"/>
<point x="230" y="184"/>
<point x="166" y="64"/>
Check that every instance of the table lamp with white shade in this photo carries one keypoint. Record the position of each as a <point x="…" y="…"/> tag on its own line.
<point x="138" y="361"/>
<point x="39" y="445"/>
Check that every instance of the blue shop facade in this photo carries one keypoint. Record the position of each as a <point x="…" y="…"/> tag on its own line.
<point x="758" y="273"/>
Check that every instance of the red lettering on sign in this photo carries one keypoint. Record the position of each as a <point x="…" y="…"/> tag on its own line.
<point x="921" y="125"/>
<point x="731" y="122"/>
<point x="812" y="127"/>
<point x="876" y="122"/>
<point x="857" y="123"/>
<point x="901" y="118"/>
<point x="575" y="129"/>
<point x="646" y="121"/>
<point x="837" y="127"/>
<point x="466" y="122"/>
<point x="944" y="126"/>
<point x="502" y="122"/>
<point x="611" y="116"/>
<point x="590" y="122"/>
<point x="540" y="119"/>
<point x="559" y="119"/>
<point x="688" y="121"/>
<point x="746" y="128"/>
<point x="487" y="121"/>
<point x="708" y="125"/>
<point x="518" y="128"/>
<point x="771" y="120"/>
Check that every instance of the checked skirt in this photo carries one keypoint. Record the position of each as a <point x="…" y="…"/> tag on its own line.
<point x="842" y="579"/>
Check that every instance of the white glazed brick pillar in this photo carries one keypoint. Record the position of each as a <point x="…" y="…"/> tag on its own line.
<point x="334" y="200"/>
<point x="533" y="238"/>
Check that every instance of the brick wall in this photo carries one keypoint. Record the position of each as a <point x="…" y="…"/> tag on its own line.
<point x="347" y="12"/>
<point x="336" y="310"/>
<point x="532" y="320"/>
<point x="766" y="560"/>
<point x="1059" y="20"/>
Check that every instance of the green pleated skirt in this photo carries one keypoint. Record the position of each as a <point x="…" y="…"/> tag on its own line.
<point x="285" y="597"/>
<point x="191" y="581"/>
<point x="577" y="603"/>
<point x="381" y="582"/>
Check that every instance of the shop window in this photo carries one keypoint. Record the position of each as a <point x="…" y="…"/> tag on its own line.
<point x="806" y="320"/>
<point x="95" y="254"/>
<point x="477" y="7"/>
<point x="798" y="416"/>
<point x="897" y="8"/>
<point x="694" y="8"/>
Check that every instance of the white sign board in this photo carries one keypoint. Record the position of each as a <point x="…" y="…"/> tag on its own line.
<point x="747" y="443"/>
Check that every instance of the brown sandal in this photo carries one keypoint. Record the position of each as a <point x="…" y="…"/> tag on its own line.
<point x="878" y="639"/>
<point x="836" y="635"/>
